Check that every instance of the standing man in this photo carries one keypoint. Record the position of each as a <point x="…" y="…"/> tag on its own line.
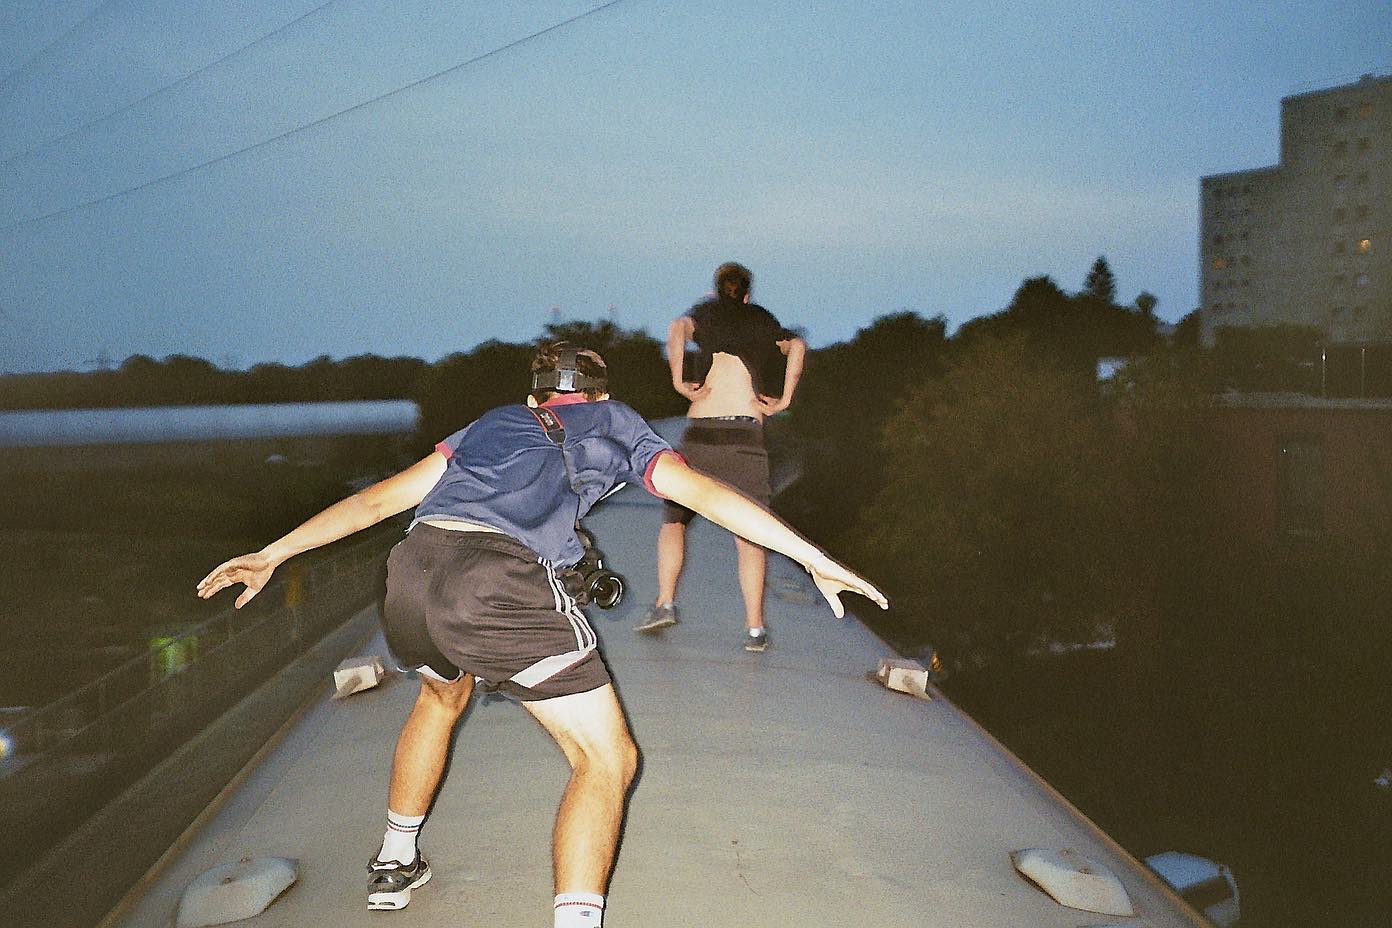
<point x="738" y="343"/>
<point x="478" y="590"/>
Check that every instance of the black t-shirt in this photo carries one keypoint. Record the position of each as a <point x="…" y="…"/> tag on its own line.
<point x="745" y="330"/>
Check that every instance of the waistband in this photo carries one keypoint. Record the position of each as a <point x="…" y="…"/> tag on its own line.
<point x="492" y="541"/>
<point x="732" y="423"/>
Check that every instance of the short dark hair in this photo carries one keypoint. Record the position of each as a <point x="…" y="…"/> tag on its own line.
<point x="733" y="281"/>
<point x="587" y="362"/>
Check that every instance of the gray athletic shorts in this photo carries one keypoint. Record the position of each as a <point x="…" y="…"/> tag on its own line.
<point x="484" y="604"/>
<point x="731" y="450"/>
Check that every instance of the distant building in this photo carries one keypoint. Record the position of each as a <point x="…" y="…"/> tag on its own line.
<point x="81" y="439"/>
<point x="1288" y="472"/>
<point x="1309" y="240"/>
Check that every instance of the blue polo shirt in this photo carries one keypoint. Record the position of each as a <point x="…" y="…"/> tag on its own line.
<point x="502" y="471"/>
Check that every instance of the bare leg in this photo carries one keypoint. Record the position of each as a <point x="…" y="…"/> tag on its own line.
<point x="424" y="743"/>
<point x="592" y="731"/>
<point x="671" y="553"/>
<point x="753" y="565"/>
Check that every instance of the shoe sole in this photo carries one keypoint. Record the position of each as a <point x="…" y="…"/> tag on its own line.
<point x="757" y="648"/>
<point x="656" y="625"/>
<point x="379" y="902"/>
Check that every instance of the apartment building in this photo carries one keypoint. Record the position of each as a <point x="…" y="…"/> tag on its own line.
<point x="1307" y="241"/>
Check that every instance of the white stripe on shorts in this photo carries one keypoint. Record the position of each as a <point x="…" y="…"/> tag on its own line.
<point x="585" y="638"/>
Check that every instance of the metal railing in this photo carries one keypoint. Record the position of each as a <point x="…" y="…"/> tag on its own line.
<point x="61" y="763"/>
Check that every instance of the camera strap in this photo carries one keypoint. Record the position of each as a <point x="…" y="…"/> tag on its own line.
<point x="555" y="431"/>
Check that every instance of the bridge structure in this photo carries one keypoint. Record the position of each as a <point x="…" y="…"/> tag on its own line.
<point x="775" y="789"/>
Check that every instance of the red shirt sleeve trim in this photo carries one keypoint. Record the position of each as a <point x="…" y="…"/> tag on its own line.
<point x="445" y="449"/>
<point x="647" y="474"/>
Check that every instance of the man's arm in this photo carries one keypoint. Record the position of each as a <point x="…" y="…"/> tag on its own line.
<point x="359" y="511"/>
<point x="674" y="479"/>
<point x="678" y="334"/>
<point x="796" y="351"/>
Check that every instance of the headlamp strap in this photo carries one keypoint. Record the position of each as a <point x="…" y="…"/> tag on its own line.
<point x="566" y="378"/>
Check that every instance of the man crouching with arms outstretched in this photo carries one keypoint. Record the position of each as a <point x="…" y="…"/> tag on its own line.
<point x="477" y="590"/>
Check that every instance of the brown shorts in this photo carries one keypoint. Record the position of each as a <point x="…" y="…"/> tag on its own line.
<point x="484" y="604"/>
<point x="730" y="450"/>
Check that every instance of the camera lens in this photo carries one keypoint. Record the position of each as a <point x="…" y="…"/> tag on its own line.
<point x="606" y="589"/>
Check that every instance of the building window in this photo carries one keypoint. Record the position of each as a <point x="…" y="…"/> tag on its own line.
<point x="1365" y="246"/>
<point x="1338" y="214"/>
<point x="1300" y="486"/>
<point x="1338" y="280"/>
<point x="1217" y="240"/>
<point x="1340" y="181"/>
<point x="1361" y="280"/>
<point x="1338" y="246"/>
<point x="1365" y="110"/>
<point x="1362" y="177"/>
<point x="1340" y="113"/>
<point x="1362" y="145"/>
<point x="1340" y="148"/>
<point x="1246" y="260"/>
<point x="1362" y="212"/>
<point x="1219" y="263"/>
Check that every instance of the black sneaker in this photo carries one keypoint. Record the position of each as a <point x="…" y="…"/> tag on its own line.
<point x="757" y="643"/>
<point x="657" y="617"/>
<point x="392" y="882"/>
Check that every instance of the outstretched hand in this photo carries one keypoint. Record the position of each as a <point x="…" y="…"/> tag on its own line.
<point x="833" y="579"/>
<point x="254" y="570"/>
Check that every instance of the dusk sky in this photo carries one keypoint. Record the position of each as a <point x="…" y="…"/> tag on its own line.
<point x="861" y="157"/>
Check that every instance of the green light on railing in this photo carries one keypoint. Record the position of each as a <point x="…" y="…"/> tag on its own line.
<point x="169" y="655"/>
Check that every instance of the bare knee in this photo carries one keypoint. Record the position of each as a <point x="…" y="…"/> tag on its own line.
<point x="616" y="761"/>
<point x="446" y="697"/>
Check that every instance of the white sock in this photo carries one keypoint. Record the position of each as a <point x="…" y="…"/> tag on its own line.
<point x="399" y="843"/>
<point x="756" y="632"/>
<point x="579" y="910"/>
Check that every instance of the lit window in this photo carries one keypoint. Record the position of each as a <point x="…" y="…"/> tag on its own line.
<point x="1361" y="280"/>
<point x="1365" y="110"/>
<point x="1219" y="263"/>
<point x="1365" y="246"/>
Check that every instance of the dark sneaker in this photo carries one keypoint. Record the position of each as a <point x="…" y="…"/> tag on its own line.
<point x="657" y="617"/>
<point x="392" y="882"/>
<point x="757" y="643"/>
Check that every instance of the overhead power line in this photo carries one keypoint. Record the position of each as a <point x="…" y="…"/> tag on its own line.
<point x="167" y="87"/>
<point x="5" y="81"/>
<point x="309" y="125"/>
